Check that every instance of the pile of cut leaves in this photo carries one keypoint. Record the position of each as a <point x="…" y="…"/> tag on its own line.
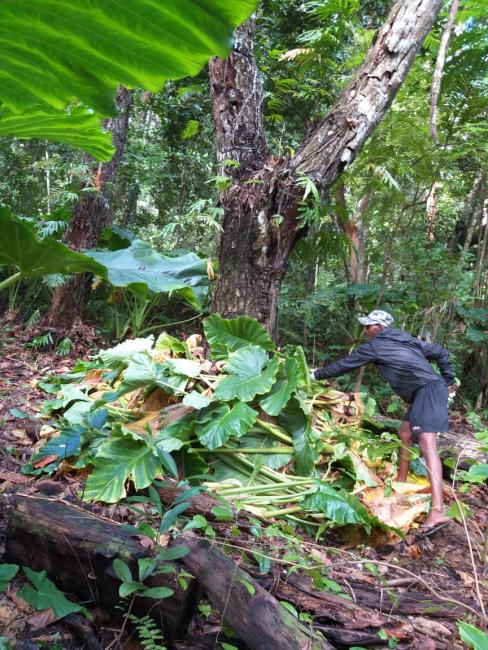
<point x="231" y="413"/>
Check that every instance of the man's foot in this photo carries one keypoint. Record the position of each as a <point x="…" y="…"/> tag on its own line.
<point x="427" y="531"/>
<point x="435" y="517"/>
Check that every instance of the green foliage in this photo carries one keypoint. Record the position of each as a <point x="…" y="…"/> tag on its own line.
<point x="287" y="382"/>
<point x="21" y="248"/>
<point x="43" y="594"/>
<point x="236" y="333"/>
<point x="7" y="572"/>
<point x="218" y="424"/>
<point x="247" y="376"/>
<point x="73" y="55"/>
<point x="146" y="568"/>
<point x="146" y="272"/>
<point x="472" y="636"/>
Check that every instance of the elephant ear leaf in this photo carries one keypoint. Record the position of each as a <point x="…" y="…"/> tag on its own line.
<point x="339" y="506"/>
<point x="146" y="272"/>
<point x="118" y="460"/>
<point x="235" y="333"/>
<point x="20" y="247"/>
<point x="216" y="426"/>
<point x="64" y="66"/>
<point x="247" y="376"/>
<point x="282" y="389"/>
<point x="297" y="423"/>
<point x="43" y="594"/>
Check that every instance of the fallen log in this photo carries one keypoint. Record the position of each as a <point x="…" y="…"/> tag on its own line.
<point x="255" y="616"/>
<point x="77" y="550"/>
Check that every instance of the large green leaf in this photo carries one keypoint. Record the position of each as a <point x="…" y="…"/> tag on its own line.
<point x="146" y="272"/>
<point x="236" y="333"/>
<point x="247" y="378"/>
<point x="55" y="54"/>
<point x="339" y="506"/>
<point x="282" y="389"/>
<point x="120" y="355"/>
<point x="20" y="247"/>
<point x="45" y="595"/>
<point x="472" y="636"/>
<point x="77" y="126"/>
<point x="217" y="425"/>
<point x="255" y="440"/>
<point x="119" y="459"/>
<point x="297" y="422"/>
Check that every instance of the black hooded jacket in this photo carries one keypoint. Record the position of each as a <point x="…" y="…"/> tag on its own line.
<point x="401" y="359"/>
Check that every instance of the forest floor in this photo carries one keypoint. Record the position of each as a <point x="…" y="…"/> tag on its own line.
<point x="412" y="598"/>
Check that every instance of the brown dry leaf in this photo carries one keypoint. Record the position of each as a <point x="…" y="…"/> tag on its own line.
<point x="160" y="356"/>
<point x="146" y="542"/>
<point x="156" y="401"/>
<point x="173" y="413"/>
<point x="133" y="397"/>
<point x="17" y="600"/>
<point x="428" y="625"/>
<point x="42" y="619"/>
<point x="139" y="426"/>
<point x="467" y="579"/>
<point x="13" y="477"/>
<point x="414" y="551"/>
<point x="396" y="510"/>
<point x="47" y="431"/>
<point x="21" y="436"/>
<point x="163" y="539"/>
<point x="320" y="556"/>
<point x="45" y="461"/>
<point x="94" y="377"/>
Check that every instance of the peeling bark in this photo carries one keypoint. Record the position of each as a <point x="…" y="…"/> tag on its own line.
<point x="91" y="214"/>
<point x="260" y="226"/>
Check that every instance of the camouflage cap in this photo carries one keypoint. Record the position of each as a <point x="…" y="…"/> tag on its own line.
<point x="377" y="317"/>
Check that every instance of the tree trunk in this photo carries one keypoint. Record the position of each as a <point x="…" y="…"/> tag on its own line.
<point x="91" y="214"/>
<point x="261" y="204"/>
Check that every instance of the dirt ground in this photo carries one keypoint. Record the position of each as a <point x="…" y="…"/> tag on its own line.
<point x="448" y="570"/>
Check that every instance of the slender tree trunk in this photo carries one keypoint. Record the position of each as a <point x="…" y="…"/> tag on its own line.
<point x="475" y="216"/>
<point x="439" y="67"/>
<point x="260" y="227"/>
<point x="482" y="250"/>
<point x="431" y="211"/>
<point x="91" y="214"/>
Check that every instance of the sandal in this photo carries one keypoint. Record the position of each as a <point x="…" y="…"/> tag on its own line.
<point x="427" y="531"/>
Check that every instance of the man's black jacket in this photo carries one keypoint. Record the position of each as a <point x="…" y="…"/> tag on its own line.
<point x="401" y="359"/>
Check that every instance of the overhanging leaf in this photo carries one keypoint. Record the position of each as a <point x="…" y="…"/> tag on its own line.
<point x="216" y="426"/>
<point x="118" y="460"/>
<point x="145" y="272"/>
<point x="247" y="378"/>
<point x="45" y="595"/>
<point x="236" y="333"/>
<point x="20" y="247"/>
<point x="282" y="389"/>
<point x="55" y="54"/>
<point x="78" y="127"/>
<point x="120" y="355"/>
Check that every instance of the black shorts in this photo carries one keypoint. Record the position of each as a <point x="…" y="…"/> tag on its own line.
<point x="428" y="412"/>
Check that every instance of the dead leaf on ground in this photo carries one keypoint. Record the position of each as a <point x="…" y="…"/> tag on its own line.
<point x="13" y="477"/>
<point x="467" y="579"/>
<point x="42" y="619"/>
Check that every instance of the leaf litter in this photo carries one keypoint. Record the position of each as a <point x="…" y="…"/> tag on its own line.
<point x="331" y="438"/>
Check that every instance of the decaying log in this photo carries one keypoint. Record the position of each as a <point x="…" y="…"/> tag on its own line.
<point x="255" y="616"/>
<point x="77" y="550"/>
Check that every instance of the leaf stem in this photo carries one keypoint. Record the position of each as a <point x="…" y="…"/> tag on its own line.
<point x="10" y="280"/>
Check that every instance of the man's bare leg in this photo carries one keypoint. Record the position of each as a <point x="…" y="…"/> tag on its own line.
<point x="428" y="445"/>
<point x="406" y="437"/>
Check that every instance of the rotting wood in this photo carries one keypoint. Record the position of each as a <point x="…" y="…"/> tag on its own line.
<point x="77" y="550"/>
<point x="254" y="615"/>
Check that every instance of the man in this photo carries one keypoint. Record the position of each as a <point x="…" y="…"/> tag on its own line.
<point x="403" y="361"/>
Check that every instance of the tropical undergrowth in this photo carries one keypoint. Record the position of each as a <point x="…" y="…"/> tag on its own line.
<point x="246" y="423"/>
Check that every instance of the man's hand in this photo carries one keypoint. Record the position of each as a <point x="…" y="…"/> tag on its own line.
<point x="312" y="375"/>
<point x="451" y="393"/>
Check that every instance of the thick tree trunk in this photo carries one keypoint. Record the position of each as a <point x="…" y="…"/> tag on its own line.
<point x="91" y="214"/>
<point x="260" y="227"/>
